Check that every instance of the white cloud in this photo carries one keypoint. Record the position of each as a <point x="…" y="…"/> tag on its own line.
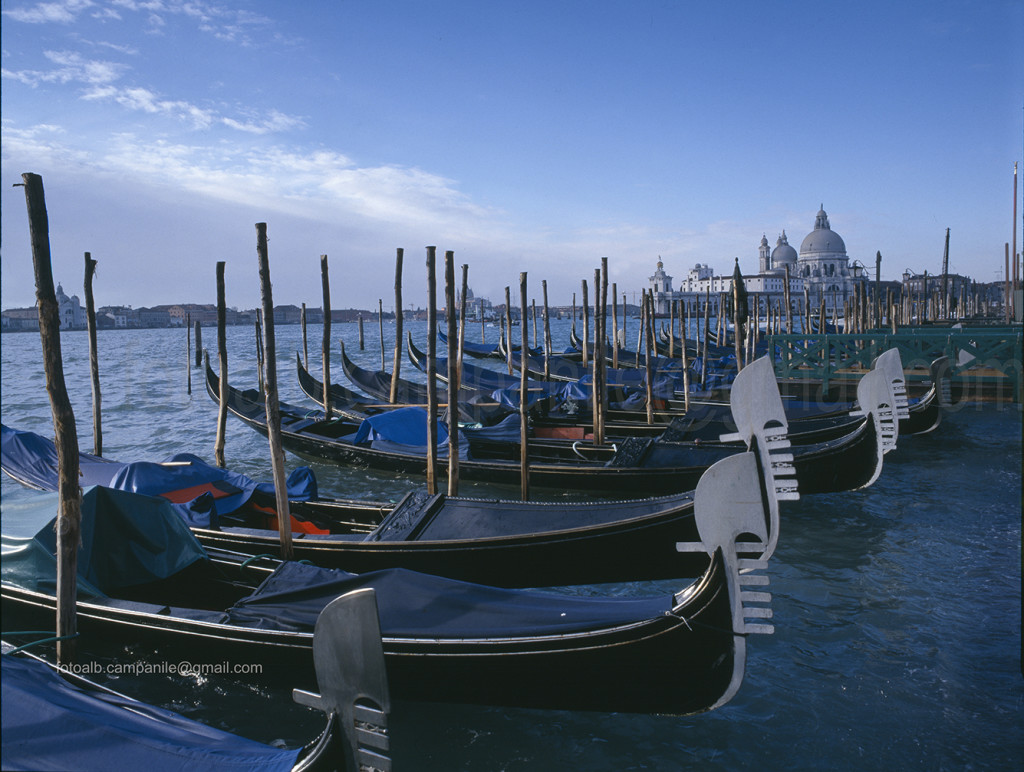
<point x="49" y="13"/>
<point x="274" y="122"/>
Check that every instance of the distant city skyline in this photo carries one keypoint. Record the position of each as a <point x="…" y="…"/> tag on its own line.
<point x="531" y="137"/>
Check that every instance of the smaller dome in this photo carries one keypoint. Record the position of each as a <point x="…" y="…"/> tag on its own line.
<point x="783" y="252"/>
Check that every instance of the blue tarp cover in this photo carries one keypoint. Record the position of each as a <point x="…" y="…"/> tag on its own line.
<point x="126" y="540"/>
<point x="411" y="604"/>
<point x="49" y="724"/>
<point x="33" y="459"/>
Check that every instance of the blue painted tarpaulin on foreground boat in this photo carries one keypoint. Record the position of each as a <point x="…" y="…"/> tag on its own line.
<point x="127" y="540"/>
<point x="199" y="492"/>
<point x="49" y="724"/>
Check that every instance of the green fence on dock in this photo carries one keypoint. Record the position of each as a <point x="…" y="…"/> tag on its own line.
<point x="984" y="357"/>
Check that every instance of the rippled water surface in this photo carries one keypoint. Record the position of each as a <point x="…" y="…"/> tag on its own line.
<point x="897" y="608"/>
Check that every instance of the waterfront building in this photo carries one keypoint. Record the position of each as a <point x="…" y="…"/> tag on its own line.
<point x="72" y="315"/>
<point x="822" y="267"/>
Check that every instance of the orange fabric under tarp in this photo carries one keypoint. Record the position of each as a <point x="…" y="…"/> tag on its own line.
<point x="298" y="526"/>
<point x="186" y="495"/>
<point x="561" y="433"/>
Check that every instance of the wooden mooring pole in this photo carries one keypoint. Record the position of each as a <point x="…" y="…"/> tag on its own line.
<point x="508" y="329"/>
<point x="453" y="377"/>
<point x="462" y="329"/>
<point x="69" y="513"/>
<point x="524" y="423"/>
<point x="380" y="329"/>
<point x="602" y="356"/>
<point x="305" y="340"/>
<point x="199" y="344"/>
<point x="547" y="331"/>
<point x="684" y="323"/>
<point x="94" y="364"/>
<point x="284" y="519"/>
<point x="649" y="361"/>
<point x="431" y="371"/>
<point x="188" y="350"/>
<point x="585" y="305"/>
<point x="615" y="326"/>
<point x="222" y="359"/>
<point x="396" y="362"/>
<point x="325" y="348"/>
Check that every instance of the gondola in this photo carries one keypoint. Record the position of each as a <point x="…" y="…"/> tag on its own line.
<point x="476" y="407"/>
<point x="475" y="350"/>
<point x="59" y="719"/>
<point x="641" y="466"/>
<point x="704" y="422"/>
<point x="443" y="640"/>
<point x="506" y="543"/>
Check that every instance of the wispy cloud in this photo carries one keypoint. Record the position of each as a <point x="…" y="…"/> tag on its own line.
<point x="100" y="80"/>
<point x="50" y="13"/>
<point x="229" y="24"/>
<point x="320" y="185"/>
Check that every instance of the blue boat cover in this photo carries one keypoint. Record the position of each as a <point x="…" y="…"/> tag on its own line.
<point x="126" y="540"/>
<point x="200" y="492"/>
<point x="49" y="724"/>
<point x="404" y="431"/>
<point x="411" y="604"/>
<point x="32" y="460"/>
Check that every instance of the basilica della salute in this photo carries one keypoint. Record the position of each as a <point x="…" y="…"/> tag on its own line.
<point x="822" y="267"/>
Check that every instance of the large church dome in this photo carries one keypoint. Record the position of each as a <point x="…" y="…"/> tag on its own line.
<point x="822" y="238"/>
<point x="783" y="252"/>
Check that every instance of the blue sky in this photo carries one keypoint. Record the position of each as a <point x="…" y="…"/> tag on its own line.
<point x="537" y="136"/>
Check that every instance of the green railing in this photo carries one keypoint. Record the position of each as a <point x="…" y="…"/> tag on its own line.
<point x="979" y="357"/>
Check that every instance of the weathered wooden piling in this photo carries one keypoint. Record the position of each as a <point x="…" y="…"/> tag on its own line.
<point x="259" y="348"/>
<point x="625" y="307"/>
<point x="737" y="323"/>
<point x="508" y="328"/>
<point x="615" y="325"/>
<point x="69" y="513"/>
<point x="524" y="424"/>
<point x="648" y="345"/>
<point x="380" y="328"/>
<point x="878" y="291"/>
<point x="707" y="333"/>
<point x="586" y="323"/>
<point x="94" y="364"/>
<point x="462" y="327"/>
<point x="284" y="519"/>
<point x="396" y="362"/>
<point x="359" y="325"/>
<point x="453" y="374"/>
<point x="1007" y="295"/>
<point x="533" y="308"/>
<point x="305" y="341"/>
<point x="684" y="322"/>
<point x="199" y="344"/>
<point x="595" y="376"/>
<point x="222" y="357"/>
<point x="188" y="350"/>
<point x="601" y="355"/>
<point x="325" y="349"/>
<point x="547" y="332"/>
<point x="431" y="372"/>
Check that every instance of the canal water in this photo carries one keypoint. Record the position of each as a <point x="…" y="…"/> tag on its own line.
<point x="897" y="608"/>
